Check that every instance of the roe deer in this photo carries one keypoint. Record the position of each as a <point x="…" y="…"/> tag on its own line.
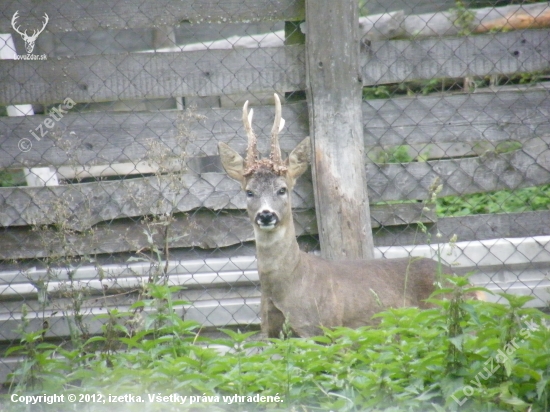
<point x="302" y="288"/>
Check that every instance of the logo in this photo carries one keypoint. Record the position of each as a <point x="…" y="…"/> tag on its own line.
<point x="29" y="39"/>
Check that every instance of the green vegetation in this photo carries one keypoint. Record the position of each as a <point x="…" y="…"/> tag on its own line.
<point x="502" y="201"/>
<point x="485" y="356"/>
<point x="395" y="154"/>
<point x="464" y="18"/>
<point x="440" y="85"/>
<point x="6" y="179"/>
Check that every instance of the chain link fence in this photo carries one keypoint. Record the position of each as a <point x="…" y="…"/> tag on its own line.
<point x="110" y="178"/>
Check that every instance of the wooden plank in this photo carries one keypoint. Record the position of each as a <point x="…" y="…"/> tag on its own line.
<point x="408" y="6"/>
<point x="507" y="113"/>
<point x="395" y="24"/>
<point x="87" y="139"/>
<point x="83" y="15"/>
<point x="529" y="166"/>
<point x="468" y="228"/>
<point x="203" y="229"/>
<point x="448" y="122"/>
<point x="152" y="75"/>
<point x="534" y="16"/>
<point x="422" y="152"/>
<point x="188" y="271"/>
<point x="127" y="296"/>
<point x="395" y="61"/>
<point x="210" y="314"/>
<point x="80" y="206"/>
<point x="334" y="97"/>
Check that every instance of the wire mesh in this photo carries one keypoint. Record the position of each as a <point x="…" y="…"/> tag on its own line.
<point x="111" y="179"/>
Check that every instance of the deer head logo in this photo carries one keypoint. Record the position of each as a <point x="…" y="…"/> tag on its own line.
<point x="29" y="40"/>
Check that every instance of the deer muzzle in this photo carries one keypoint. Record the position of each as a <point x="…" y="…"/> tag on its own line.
<point x="267" y="220"/>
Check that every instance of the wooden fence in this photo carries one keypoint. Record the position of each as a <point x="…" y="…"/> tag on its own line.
<point x="81" y="233"/>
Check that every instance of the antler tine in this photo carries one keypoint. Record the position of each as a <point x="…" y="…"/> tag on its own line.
<point x="252" y="154"/>
<point x="35" y="33"/>
<point x="46" y="20"/>
<point x="14" y="22"/>
<point x="275" y="148"/>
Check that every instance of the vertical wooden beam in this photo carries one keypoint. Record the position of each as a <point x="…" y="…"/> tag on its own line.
<point x="334" y="99"/>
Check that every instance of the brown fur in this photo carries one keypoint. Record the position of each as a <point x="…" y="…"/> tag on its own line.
<point x="304" y="289"/>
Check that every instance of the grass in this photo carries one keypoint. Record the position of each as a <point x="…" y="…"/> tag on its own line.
<point x="415" y="360"/>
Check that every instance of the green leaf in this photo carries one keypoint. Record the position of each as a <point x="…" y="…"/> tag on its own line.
<point x="322" y="339"/>
<point x="438" y="408"/>
<point x="180" y="302"/>
<point x="541" y="387"/>
<point x="237" y="336"/>
<point x="95" y="339"/>
<point x="513" y="400"/>
<point x="441" y="291"/>
<point x="457" y="341"/>
<point x="138" y="304"/>
<point x="15" y="349"/>
<point x="515" y="300"/>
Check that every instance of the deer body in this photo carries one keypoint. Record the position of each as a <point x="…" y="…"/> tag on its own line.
<point x="302" y="288"/>
<point x="316" y="292"/>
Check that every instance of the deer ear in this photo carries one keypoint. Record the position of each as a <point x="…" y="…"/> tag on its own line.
<point x="298" y="159"/>
<point x="232" y="162"/>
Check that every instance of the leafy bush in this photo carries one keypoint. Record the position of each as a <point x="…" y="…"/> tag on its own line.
<point x="502" y="201"/>
<point x="461" y="355"/>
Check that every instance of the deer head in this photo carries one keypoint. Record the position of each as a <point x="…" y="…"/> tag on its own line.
<point x="267" y="182"/>
<point x="29" y="40"/>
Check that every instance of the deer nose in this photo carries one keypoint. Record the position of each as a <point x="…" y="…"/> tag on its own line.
<point x="266" y="218"/>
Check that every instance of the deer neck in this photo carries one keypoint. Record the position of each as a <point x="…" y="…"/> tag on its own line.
<point x="278" y="252"/>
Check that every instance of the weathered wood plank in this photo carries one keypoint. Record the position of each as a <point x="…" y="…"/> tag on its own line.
<point x="476" y="227"/>
<point x="508" y="113"/>
<point x="395" y="61"/>
<point x="395" y="24"/>
<point x="529" y="166"/>
<point x="408" y="6"/>
<point x="204" y="229"/>
<point x="210" y="314"/>
<point x="80" y="206"/>
<point x="199" y="73"/>
<point x="334" y="96"/>
<point x="152" y="75"/>
<point x="81" y="15"/>
<point x="221" y="230"/>
<point x="87" y="139"/>
<point x="534" y="16"/>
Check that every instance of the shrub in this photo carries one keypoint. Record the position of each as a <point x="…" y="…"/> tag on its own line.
<point x="462" y="355"/>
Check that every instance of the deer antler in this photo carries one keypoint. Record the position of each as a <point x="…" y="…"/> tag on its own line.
<point x="278" y="124"/>
<point x="13" y="23"/>
<point x="252" y="154"/>
<point x="46" y="20"/>
<point x="35" y="32"/>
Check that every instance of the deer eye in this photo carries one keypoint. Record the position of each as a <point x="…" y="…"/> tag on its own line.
<point x="282" y="191"/>
<point x="249" y="193"/>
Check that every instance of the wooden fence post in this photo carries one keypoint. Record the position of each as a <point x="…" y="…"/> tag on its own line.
<point x="334" y="99"/>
